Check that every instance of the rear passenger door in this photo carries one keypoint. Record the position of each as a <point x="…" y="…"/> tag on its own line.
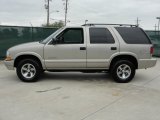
<point x="102" y="44"/>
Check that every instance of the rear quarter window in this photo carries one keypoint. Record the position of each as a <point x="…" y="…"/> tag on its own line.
<point x="133" y="35"/>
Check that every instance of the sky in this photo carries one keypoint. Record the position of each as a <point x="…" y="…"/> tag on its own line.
<point x="32" y="12"/>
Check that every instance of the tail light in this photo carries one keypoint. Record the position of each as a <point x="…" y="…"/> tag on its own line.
<point x="151" y="50"/>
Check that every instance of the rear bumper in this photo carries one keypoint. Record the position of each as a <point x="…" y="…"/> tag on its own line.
<point x="146" y="63"/>
<point x="9" y="64"/>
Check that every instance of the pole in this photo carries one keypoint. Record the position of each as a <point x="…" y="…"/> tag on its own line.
<point x="137" y="21"/>
<point x="158" y="27"/>
<point x="155" y="28"/>
<point x="48" y="12"/>
<point x="66" y="11"/>
<point x="31" y="31"/>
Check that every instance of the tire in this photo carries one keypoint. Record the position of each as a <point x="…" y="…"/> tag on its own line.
<point x="28" y="70"/>
<point x="123" y="71"/>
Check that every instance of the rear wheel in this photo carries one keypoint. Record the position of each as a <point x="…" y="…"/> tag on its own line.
<point x="123" y="71"/>
<point x="28" y="70"/>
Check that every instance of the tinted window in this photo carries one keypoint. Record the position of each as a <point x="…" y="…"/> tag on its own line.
<point x="133" y="35"/>
<point x="100" y="35"/>
<point x="71" y="36"/>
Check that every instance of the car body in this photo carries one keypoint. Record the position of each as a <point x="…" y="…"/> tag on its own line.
<point x="87" y="48"/>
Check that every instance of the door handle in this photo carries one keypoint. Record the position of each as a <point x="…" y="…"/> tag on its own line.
<point x="113" y="48"/>
<point x="82" y="48"/>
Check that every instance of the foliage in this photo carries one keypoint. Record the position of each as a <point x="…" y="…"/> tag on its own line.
<point x="55" y="24"/>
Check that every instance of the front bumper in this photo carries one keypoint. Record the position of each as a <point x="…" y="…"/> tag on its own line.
<point x="9" y="64"/>
<point x="146" y="63"/>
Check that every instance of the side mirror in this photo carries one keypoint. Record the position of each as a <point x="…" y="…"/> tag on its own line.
<point x="54" y="41"/>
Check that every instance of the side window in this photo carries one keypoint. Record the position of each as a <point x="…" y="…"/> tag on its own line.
<point x="71" y="36"/>
<point x="100" y="36"/>
<point x="133" y="35"/>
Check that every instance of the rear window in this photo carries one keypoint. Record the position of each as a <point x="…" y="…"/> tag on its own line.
<point x="133" y="35"/>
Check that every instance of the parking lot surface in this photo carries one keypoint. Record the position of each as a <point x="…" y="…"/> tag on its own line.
<point x="80" y="96"/>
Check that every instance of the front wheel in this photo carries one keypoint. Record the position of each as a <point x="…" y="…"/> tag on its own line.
<point x="123" y="71"/>
<point x="28" y="70"/>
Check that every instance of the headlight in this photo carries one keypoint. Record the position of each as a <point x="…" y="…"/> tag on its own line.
<point x="8" y="57"/>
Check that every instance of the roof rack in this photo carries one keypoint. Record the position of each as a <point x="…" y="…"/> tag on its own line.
<point x="93" y="24"/>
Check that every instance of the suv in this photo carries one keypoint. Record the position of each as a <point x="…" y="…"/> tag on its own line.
<point x="119" y="49"/>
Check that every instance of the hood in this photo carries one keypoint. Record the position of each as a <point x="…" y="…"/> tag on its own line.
<point x="25" y="46"/>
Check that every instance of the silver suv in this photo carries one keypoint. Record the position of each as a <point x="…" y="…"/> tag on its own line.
<point x="119" y="49"/>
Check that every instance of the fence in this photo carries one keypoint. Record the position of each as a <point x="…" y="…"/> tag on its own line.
<point x="155" y="38"/>
<point x="13" y="35"/>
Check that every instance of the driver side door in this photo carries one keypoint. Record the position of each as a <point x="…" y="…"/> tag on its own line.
<point x="69" y="52"/>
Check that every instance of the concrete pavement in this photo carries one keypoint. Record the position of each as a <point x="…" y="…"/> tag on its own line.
<point x="80" y="96"/>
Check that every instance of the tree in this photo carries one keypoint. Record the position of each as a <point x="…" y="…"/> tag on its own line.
<point x="55" y="24"/>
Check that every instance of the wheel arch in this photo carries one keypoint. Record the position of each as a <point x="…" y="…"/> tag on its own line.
<point x="131" y="58"/>
<point x="27" y="56"/>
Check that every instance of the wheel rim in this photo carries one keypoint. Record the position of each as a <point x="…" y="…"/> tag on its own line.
<point x="124" y="71"/>
<point x="28" y="71"/>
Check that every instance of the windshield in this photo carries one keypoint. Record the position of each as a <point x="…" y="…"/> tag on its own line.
<point x="51" y="36"/>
